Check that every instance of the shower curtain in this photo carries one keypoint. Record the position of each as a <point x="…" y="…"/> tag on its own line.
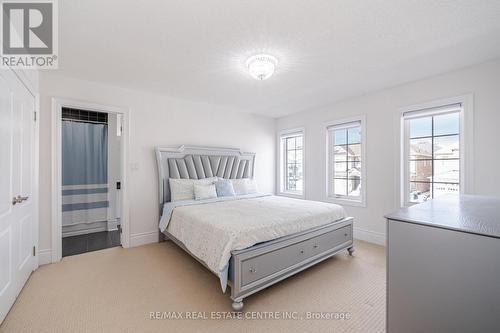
<point x="84" y="172"/>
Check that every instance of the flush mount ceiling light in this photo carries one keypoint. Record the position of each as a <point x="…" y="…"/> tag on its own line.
<point x="261" y="66"/>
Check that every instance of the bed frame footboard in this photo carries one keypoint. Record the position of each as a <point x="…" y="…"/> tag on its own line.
<point x="263" y="265"/>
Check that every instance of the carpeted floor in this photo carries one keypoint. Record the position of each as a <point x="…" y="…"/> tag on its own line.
<point x="115" y="290"/>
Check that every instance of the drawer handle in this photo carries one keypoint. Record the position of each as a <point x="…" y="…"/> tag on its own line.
<point x="252" y="270"/>
<point x="346" y="234"/>
<point x="301" y="251"/>
<point x="315" y="246"/>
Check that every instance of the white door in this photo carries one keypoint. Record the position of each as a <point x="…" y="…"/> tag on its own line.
<point x="17" y="209"/>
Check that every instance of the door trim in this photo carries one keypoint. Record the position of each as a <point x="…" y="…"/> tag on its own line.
<point x="57" y="105"/>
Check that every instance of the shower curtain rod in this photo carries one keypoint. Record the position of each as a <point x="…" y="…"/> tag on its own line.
<point x="84" y="121"/>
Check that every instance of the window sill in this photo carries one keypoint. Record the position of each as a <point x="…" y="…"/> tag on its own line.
<point x="346" y="202"/>
<point x="292" y="195"/>
<point x="409" y="204"/>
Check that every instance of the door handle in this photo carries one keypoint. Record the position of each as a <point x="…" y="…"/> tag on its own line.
<point x="19" y="199"/>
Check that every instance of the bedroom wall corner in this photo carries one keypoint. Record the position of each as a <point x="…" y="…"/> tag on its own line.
<point x="155" y="120"/>
<point x="382" y="110"/>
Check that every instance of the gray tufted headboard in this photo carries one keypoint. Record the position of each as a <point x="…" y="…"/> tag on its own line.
<point x="200" y="162"/>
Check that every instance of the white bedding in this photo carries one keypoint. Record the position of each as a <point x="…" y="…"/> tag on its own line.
<point x="211" y="230"/>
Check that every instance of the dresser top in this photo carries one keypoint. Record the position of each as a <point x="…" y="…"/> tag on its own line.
<point x="466" y="213"/>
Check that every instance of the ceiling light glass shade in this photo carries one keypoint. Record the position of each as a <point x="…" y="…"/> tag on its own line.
<point x="261" y="66"/>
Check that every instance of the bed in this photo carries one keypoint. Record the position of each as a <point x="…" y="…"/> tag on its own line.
<point x="249" y="241"/>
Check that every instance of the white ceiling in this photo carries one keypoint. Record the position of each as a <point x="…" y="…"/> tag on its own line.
<point x="327" y="50"/>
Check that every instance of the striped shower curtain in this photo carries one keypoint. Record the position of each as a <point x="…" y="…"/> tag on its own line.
<point x="84" y="172"/>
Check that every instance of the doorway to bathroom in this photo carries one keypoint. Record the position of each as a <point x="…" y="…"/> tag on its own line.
<point x="89" y="177"/>
<point x="91" y="180"/>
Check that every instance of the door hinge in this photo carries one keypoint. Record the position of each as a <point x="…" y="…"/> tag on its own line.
<point x="34" y="251"/>
<point x="34" y="116"/>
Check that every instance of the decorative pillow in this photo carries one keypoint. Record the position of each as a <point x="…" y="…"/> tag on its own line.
<point x="183" y="189"/>
<point x="204" y="191"/>
<point x="224" y="188"/>
<point x="251" y="186"/>
<point x="244" y="186"/>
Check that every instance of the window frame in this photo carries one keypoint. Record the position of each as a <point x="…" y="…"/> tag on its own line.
<point x="282" y="165"/>
<point x="465" y="141"/>
<point x="329" y="188"/>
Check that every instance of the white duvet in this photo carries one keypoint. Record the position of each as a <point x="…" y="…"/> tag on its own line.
<point x="211" y="229"/>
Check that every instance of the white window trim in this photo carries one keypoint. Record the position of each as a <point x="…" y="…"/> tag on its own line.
<point x="329" y="168"/>
<point x="466" y="143"/>
<point x="281" y="164"/>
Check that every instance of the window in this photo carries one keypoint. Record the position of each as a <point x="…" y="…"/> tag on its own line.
<point x="292" y="162"/>
<point x="432" y="153"/>
<point x="346" y="161"/>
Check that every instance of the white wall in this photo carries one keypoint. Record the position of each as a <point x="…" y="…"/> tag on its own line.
<point x="382" y="114"/>
<point x="155" y="120"/>
<point x="160" y="120"/>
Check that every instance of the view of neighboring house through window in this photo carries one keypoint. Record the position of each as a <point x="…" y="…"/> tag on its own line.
<point x="345" y="159"/>
<point x="432" y="153"/>
<point x="292" y="162"/>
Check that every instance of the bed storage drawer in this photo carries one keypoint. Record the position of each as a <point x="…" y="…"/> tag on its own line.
<point x="282" y="258"/>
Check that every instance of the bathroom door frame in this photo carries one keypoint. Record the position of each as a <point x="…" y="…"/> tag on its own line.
<point x="57" y="105"/>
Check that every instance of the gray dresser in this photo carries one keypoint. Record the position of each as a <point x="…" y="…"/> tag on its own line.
<point x="443" y="266"/>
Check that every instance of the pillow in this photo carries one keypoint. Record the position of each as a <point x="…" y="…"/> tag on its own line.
<point x="204" y="191"/>
<point x="224" y="188"/>
<point x="244" y="186"/>
<point x="251" y="186"/>
<point x="183" y="189"/>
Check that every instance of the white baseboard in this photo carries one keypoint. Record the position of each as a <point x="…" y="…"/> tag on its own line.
<point x="144" y="238"/>
<point x="44" y="257"/>
<point x="370" y="236"/>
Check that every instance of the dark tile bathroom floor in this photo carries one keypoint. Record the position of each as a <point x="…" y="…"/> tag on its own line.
<point x="90" y="242"/>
